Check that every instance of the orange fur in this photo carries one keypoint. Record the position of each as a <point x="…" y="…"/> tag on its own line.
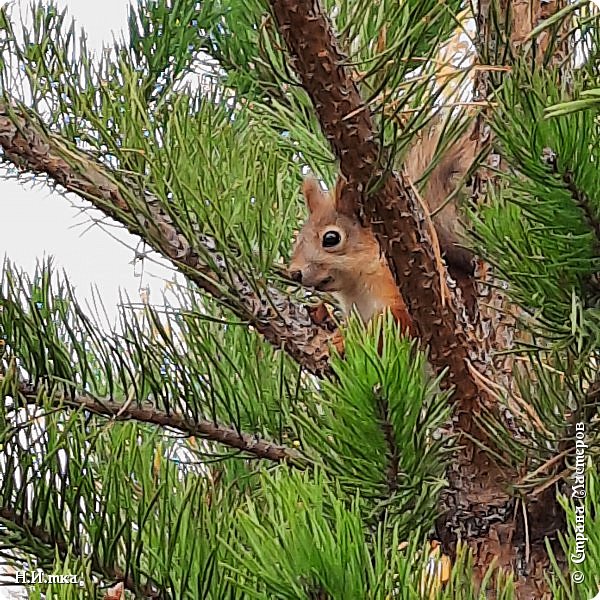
<point x="354" y="270"/>
<point x="441" y="182"/>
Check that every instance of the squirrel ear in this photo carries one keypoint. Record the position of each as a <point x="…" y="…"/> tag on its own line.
<point x="316" y="199"/>
<point x="344" y="199"/>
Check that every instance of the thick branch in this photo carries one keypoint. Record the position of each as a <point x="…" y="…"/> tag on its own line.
<point x="503" y="35"/>
<point x="284" y="324"/>
<point x="208" y="430"/>
<point x="393" y="209"/>
<point x="478" y="505"/>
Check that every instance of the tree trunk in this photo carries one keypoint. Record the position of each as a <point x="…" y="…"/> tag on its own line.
<point x="478" y="506"/>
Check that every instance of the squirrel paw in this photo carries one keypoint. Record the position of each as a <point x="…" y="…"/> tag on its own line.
<point x="321" y="315"/>
<point x="338" y="342"/>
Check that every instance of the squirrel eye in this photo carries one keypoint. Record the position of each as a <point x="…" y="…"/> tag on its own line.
<point x="331" y="239"/>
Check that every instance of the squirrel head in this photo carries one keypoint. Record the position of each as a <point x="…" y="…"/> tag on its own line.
<point x="333" y="251"/>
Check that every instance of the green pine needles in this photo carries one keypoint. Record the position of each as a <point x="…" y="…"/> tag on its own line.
<point x="216" y="446"/>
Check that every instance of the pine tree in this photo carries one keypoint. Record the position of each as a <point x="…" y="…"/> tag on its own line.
<point x="221" y="448"/>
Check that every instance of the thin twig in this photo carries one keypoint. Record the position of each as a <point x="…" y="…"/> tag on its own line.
<point x="10" y="517"/>
<point x="205" y="429"/>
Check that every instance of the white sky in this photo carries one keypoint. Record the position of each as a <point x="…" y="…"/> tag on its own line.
<point x="37" y="222"/>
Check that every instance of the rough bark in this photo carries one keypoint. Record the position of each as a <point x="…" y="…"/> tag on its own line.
<point x="392" y="210"/>
<point x="283" y="323"/>
<point x="480" y="510"/>
<point x="503" y="36"/>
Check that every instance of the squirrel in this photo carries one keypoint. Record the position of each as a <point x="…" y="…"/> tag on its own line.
<point x="335" y="253"/>
<point x="441" y="182"/>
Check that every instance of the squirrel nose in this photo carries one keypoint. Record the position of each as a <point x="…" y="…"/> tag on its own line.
<point x="296" y="276"/>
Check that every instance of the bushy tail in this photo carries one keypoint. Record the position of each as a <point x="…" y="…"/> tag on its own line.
<point x="438" y="187"/>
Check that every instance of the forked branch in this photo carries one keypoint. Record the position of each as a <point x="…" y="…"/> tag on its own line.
<point x="285" y="324"/>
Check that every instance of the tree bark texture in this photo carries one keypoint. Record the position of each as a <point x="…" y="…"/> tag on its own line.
<point x="285" y="324"/>
<point x="480" y="509"/>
